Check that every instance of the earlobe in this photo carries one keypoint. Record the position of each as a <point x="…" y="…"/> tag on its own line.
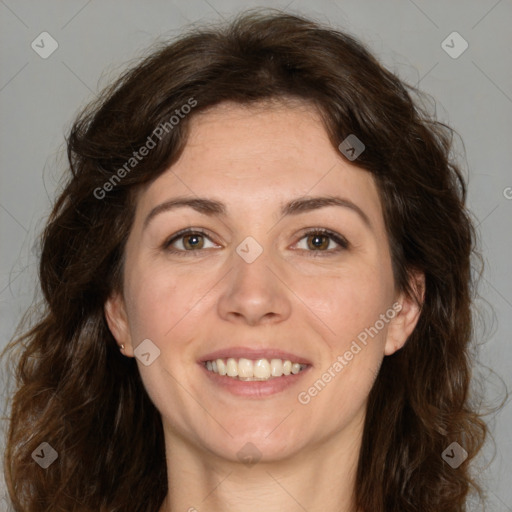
<point x="401" y="327"/>
<point x="117" y="320"/>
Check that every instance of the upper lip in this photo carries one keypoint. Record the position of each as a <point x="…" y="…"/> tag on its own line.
<point x="254" y="354"/>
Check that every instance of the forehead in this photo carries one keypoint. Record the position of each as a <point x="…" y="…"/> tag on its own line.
<point x="259" y="157"/>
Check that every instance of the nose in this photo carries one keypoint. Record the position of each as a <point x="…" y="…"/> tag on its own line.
<point x="256" y="292"/>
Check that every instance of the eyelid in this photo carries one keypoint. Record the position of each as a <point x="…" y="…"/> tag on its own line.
<point x="182" y="233"/>
<point x="339" y="239"/>
<point x="342" y="242"/>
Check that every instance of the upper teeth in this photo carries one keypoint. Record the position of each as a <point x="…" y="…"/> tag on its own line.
<point x="260" y="369"/>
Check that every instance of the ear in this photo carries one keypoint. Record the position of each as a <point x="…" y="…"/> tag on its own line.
<point x="117" y="320"/>
<point x="401" y="327"/>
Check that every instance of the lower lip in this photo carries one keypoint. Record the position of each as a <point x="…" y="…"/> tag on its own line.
<point x="255" y="388"/>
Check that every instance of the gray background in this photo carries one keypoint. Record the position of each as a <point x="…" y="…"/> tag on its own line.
<point x="39" y="98"/>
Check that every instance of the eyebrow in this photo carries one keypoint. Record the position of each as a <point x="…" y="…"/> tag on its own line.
<point x="214" y="208"/>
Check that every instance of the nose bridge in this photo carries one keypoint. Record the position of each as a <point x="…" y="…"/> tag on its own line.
<point x="252" y="263"/>
<point x="250" y="250"/>
<point x="253" y="291"/>
<point x="256" y="246"/>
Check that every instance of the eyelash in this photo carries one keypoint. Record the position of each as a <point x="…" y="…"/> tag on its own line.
<point x="340" y="240"/>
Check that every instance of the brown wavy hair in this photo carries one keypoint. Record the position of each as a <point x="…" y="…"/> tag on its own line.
<point x="75" y="390"/>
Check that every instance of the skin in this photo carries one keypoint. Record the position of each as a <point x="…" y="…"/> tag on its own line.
<point x="293" y="297"/>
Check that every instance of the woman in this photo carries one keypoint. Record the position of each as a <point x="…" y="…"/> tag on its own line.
<point x="258" y="291"/>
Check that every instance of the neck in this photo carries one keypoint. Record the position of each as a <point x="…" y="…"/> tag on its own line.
<point x="317" y="478"/>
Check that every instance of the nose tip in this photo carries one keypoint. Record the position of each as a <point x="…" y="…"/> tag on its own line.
<point x="253" y="293"/>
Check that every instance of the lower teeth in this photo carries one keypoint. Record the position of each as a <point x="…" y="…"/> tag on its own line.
<point x="251" y="378"/>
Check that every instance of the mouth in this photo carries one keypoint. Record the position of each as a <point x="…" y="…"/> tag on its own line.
<point x="254" y="373"/>
<point x="250" y="370"/>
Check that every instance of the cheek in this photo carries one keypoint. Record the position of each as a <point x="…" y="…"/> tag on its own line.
<point x="351" y="307"/>
<point x="153" y="302"/>
<point x="339" y="389"/>
<point x="166" y="305"/>
<point x="348" y="303"/>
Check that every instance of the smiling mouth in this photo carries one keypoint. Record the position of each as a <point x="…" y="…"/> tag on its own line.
<point x="254" y="369"/>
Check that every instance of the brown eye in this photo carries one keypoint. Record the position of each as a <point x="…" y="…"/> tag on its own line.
<point x="194" y="241"/>
<point x="318" y="241"/>
<point x="187" y="241"/>
<point x="324" y="241"/>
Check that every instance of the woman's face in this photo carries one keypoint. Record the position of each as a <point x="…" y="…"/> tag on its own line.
<point x="260" y="282"/>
